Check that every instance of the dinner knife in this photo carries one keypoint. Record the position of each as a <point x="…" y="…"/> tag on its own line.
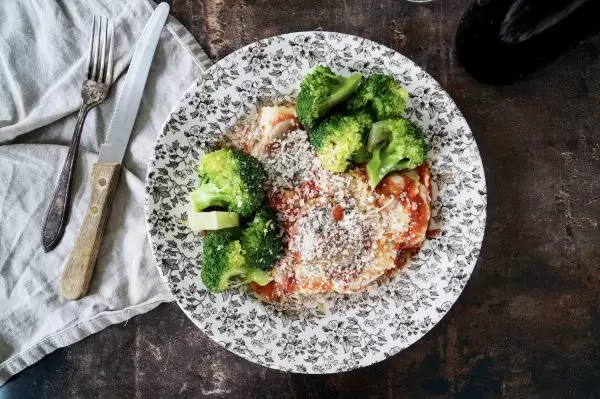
<point x="78" y="271"/>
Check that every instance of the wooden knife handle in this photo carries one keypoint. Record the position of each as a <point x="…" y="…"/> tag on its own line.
<point x="78" y="271"/>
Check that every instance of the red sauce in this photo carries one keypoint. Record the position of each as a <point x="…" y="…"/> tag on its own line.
<point x="308" y="186"/>
<point x="424" y="176"/>
<point x="289" y="285"/>
<point x="278" y="201"/>
<point x="281" y="118"/>
<point x="413" y="201"/>
<point x="337" y="213"/>
<point x="403" y="255"/>
<point x="272" y="291"/>
<point x="403" y="189"/>
<point x="247" y="149"/>
<point x="420" y="217"/>
<point x="433" y="233"/>
<point x="265" y="292"/>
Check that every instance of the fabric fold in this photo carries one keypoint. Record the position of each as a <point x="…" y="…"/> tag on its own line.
<point x="43" y="49"/>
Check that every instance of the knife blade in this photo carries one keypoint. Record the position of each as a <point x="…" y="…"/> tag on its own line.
<point x="128" y="104"/>
<point x="78" y="271"/>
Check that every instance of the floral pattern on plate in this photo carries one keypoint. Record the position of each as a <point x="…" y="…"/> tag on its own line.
<point x="337" y="332"/>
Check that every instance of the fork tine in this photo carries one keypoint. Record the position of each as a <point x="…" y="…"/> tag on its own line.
<point x="109" y="72"/>
<point x="91" y="51"/>
<point x="99" y="55"/>
<point x="96" y="50"/>
<point x="104" y="36"/>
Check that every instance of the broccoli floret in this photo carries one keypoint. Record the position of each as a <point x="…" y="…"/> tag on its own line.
<point x="261" y="240"/>
<point x="381" y="95"/>
<point x="396" y="144"/>
<point x="223" y="259"/>
<point x="230" y="179"/>
<point x="320" y="91"/>
<point x="362" y="156"/>
<point x="338" y="138"/>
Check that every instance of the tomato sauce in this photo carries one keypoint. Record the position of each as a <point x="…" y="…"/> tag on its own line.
<point x="408" y="192"/>
<point x="403" y="255"/>
<point x="433" y="233"/>
<point x="265" y="292"/>
<point x="282" y="117"/>
<point x="308" y="189"/>
<point x="272" y="291"/>
<point x="289" y="285"/>
<point x="337" y="213"/>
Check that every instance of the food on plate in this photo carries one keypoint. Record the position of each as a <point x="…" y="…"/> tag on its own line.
<point x="261" y="240"/>
<point x="341" y="199"/>
<point x="230" y="179"/>
<point x="338" y="138"/>
<point x="341" y="236"/>
<point x="395" y="144"/>
<point x="233" y="180"/>
<point x="215" y="220"/>
<point x="381" y="95"/>
<point x="274" y="122"/>
<point x="320" y="91"/>
<point x="223" y="259"/>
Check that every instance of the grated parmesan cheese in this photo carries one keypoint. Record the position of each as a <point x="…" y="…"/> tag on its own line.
<point x="323" y="253"/>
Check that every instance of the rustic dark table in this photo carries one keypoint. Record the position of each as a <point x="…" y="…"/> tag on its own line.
<point x="528" y="323"/>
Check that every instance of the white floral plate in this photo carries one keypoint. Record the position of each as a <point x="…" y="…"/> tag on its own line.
<point x="339" y="332"/>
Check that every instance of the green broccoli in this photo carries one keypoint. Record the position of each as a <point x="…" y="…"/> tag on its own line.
<point x="338" y="138"/>
<point x="396" y="144"/>
<point x="362" y="156"/>
<point x="320" y="91"/>
<point x="261" y="240"/>
<point x="381" y="95"/>
<point x="223" y="259"/>
<point x="230" y="179"/>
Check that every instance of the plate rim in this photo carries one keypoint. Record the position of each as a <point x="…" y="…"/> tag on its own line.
<point x="380" y="355"/>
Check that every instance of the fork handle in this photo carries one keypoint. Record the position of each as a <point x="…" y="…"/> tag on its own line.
<point x="56" y="215"/>
<point x="80" y="266"/>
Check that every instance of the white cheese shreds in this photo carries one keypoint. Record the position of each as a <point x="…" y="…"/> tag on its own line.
<point x="338" y="233"/>
<point x="342" y="246"/>
<point x="287" y="159"/>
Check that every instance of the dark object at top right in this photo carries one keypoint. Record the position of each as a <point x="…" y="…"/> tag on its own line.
<point x="502" y="41"/>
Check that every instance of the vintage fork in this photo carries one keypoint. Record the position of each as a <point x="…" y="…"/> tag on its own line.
<point x="94" y="91"/>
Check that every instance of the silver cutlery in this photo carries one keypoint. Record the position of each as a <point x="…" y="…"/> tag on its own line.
<point x="78" y="271"/>
<point x="94" y="91"/>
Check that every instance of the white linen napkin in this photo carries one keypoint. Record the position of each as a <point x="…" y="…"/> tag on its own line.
<point x="43" y="48"/>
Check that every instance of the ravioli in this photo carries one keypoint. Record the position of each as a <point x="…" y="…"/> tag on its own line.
<point x="339" y="235"/>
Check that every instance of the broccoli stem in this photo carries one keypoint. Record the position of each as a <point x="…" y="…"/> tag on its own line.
<point x="207" y="195"/>
<point x="250" y="275"/>
<point x="374" y="171"/>
<point x="380" y="165"/>
<point x="403" y="164"/>
<point x="361" y="156"/>
<point x="379" y="133"/>
<point x="334" y="78"/>
<point x="345" y="89"/>
<point x="258" y="276"/>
